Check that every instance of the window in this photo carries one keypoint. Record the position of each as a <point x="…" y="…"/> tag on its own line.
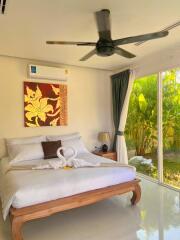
<point x="155" y="105"/>
<point x="171" y="127"/>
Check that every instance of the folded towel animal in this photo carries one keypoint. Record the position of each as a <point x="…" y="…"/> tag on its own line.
<point x="66" y="162"/>
<point x="72" y="161"/>
<point x="52" y="164"/>
<point x="62" y="162"/>
<point x="56" y="164"/>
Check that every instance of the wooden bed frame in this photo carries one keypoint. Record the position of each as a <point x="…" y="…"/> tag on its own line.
<point x="21" y="215"/>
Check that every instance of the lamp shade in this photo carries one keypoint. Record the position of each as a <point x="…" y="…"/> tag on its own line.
<point x="104" y="137"/>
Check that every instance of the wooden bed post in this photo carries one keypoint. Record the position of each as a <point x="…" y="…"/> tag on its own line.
<point x="20" y="216"/>
<point x="136" y="194"/>
<point x="16" y="224"/>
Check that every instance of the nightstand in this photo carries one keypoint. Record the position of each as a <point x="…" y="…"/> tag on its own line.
<point x="110" y="154"/>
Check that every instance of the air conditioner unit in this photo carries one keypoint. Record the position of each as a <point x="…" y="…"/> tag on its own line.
<point x="44" y="72"/>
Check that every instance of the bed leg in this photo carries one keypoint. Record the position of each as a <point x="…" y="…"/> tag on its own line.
<point x="136" y="194"/>
<point x="16" y="224"/>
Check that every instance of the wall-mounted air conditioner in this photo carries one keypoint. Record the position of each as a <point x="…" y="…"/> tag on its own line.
<point x="44" y="72"/>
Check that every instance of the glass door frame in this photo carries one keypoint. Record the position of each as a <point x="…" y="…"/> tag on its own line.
<point x="160" y="179"/>
<point x="159" y="127"/>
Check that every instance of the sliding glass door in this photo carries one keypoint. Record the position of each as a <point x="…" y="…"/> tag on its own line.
<point x="153" y="127"/>
<point x="171" y="127"/>
<point x="141" y="127"/>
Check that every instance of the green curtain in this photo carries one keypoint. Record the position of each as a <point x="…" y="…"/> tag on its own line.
<point x="120" y="83"/>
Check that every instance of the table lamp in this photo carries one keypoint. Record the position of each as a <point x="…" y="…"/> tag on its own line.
<point x="104" y="138"/>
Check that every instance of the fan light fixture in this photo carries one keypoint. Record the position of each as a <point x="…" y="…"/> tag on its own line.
<point x="105" y="46"/>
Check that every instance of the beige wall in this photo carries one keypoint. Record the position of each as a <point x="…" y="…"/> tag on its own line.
<point x="89" y="101"/>
<point x="156" y="62"/>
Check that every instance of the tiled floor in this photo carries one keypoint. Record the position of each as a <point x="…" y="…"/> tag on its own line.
<point x="156" y="217"/>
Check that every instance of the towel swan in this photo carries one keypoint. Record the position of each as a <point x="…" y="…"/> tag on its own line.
<point x="62" y="162"/>
<point x="72" y="161"/>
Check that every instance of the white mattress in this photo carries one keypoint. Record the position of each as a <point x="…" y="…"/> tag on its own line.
<point x="25" y="188"/>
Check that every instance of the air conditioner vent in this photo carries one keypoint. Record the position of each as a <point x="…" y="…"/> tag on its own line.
<point x="46" y="72"/>
<point x="174" y="25"/>
<point x="2" y="6"/>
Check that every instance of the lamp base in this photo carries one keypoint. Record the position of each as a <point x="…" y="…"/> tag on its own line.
<point x="104" y="148"/>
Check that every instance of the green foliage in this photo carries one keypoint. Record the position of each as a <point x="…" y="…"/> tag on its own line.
<point x="142" y="115"/>
<point x="171" y="111"/>
<point x="146" y="169"/>
<point x="171" y="171"/>
<point x="142" y="103"/>
<point x="141" y="127"/>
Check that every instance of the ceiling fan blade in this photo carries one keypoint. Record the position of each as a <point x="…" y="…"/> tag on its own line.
<point x="72" y="43"/>
<point x="87" y="56"/>
<point x="140" y="38"/>
<point x="103" y="23"/>
<point x="123" y="53"/>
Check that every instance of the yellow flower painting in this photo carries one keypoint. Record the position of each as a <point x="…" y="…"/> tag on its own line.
<point x="45" y="104"/>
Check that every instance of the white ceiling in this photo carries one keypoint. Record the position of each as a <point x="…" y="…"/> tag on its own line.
<point x="27" y="25"/>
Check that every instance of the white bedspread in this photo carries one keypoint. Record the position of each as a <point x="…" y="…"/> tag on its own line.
<point x="29" y="187"/>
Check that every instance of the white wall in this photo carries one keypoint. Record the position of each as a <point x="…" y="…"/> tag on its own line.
<point x="160" y="61"/>
<point x="89" y="101"/>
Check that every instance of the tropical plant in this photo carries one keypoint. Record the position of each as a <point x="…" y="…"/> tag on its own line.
<point x="141" y="127"/>
<point x="142" y="115"/>
<point x="171" y="111"/>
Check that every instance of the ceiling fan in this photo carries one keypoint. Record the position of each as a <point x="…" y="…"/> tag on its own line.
<point x="105" y="46"/>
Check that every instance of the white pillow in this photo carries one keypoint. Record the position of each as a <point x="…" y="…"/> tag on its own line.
<point x="25" y="152"/>
<point x="63" y="137"/>
<point x="76" y="143"/>
<point x="25" y="140"/>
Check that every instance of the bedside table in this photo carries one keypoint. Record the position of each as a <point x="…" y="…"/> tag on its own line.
<point x="109" y="154"/>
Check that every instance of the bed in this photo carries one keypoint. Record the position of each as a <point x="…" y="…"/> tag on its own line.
<point x="31" y="194"/>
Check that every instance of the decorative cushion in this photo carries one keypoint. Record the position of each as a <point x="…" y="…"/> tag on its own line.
<point x="50" y="149"/>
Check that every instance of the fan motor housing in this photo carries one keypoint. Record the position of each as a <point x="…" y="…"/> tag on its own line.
<point x="105" y="48"/>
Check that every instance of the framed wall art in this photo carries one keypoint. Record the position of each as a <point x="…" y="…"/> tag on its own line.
<point x="45" y="104"/>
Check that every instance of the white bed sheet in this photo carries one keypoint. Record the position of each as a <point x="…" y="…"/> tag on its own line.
<point x="25" y="188"/>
